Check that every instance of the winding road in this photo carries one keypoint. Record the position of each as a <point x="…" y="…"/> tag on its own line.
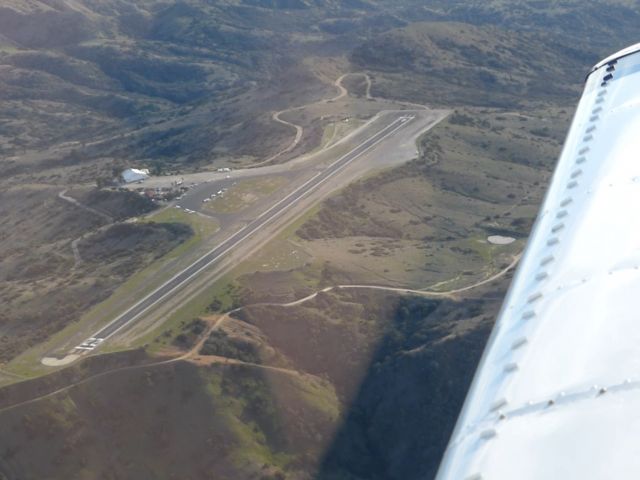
<point x="299" y="131"/>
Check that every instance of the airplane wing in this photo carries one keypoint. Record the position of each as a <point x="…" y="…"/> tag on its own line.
<point x="557" y="392"/>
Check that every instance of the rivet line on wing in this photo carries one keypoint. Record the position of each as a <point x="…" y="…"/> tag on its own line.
<point x="512" y="366"/>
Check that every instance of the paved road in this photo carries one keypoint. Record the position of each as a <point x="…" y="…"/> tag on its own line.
<point x="181" y="279"/>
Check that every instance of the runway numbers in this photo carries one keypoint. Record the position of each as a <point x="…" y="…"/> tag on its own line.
<point x="90" y="343"/>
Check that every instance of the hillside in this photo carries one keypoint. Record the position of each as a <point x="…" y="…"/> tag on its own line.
<point x="317" y="415"/>
<point x="185" y="84"/>
<point x="160" y="81"/>
<point x="44" y="286"/>
<point x="133" y="79"/>
<point x="286" y="367"/>
<point x="171" y="421"/>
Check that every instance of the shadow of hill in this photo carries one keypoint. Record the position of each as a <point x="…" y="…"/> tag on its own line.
<point x="399" y="423"/>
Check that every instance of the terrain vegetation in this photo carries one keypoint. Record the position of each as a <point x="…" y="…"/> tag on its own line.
<point x="262" y="376"/>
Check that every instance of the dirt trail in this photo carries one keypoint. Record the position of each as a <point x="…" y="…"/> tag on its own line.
<point x="182" y="357"/>
<point x="195" y="357"/>
<point x="192" y="356"/>
<point x="426" y="293"/>
<point x="76" y="252"/>
<point x="367" y="79"/>
<point x="63" y="196"/>
<point x="342" y="92"/>
<point x="205" y="360"/>
<point x="294" y="143"/>
<point x="74" y="243"/>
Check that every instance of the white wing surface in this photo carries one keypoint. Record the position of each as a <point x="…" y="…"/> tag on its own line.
<point x="557" y="392"/>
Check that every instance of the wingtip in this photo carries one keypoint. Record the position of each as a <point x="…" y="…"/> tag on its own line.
<point x="625" y="52"/>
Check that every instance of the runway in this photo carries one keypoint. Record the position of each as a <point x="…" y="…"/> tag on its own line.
<point x="183" y="278"/>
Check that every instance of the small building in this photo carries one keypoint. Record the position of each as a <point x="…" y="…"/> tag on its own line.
<point x="131" y="175"/>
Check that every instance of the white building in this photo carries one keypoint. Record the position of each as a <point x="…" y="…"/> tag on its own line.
<point x="131" y="175"/>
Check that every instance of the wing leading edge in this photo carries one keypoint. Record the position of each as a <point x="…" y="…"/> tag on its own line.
<point x="557" y="392"/>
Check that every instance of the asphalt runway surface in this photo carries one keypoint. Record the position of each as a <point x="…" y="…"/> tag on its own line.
<point x="181" y="279"/>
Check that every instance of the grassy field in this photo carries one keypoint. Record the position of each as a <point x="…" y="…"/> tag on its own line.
<point x="334" y="131"/>
<point x="244" y="194"/>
